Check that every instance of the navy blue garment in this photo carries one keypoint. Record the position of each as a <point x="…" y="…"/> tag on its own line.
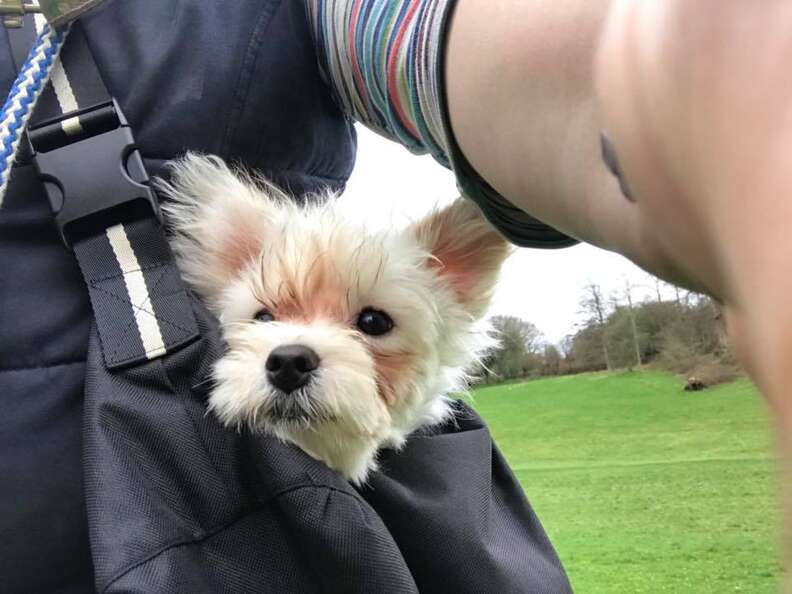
<point x="238" y="82"/>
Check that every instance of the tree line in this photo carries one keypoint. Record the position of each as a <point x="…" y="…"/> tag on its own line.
<point x="683" y="334"/>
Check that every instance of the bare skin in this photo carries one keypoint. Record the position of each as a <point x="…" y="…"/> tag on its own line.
<point x="523" y="109"/>
<point x="697" y="99"/>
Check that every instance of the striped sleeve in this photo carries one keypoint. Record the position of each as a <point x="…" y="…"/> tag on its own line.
<point x="384" y="61"/>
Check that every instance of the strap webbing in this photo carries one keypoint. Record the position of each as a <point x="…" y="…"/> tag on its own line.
<point x="75" y="103"/>
<point x="141" y="307"/>
<point x="140" y="303"/>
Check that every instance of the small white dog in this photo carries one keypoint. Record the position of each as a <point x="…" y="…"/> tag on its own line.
<point x="340" y="340"/>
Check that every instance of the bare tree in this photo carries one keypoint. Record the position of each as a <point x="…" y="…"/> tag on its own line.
<point x="631" y="313"/>
<point x="552" y="360"/>
<point x="518" y="339"/>
<point x="595" y="309"/>
<point x="566" y="345"/>
<point x="657" y="284"/>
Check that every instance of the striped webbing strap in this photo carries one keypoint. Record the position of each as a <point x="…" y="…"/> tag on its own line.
<point x="72" y="106"/>
<point x="141" y="307"/>
<point x="140" y="304"/>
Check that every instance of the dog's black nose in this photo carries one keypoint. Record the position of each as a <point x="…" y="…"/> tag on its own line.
<point x="290" y="366"/>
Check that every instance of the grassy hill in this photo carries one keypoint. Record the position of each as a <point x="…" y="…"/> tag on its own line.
<point x="643" y="487"/>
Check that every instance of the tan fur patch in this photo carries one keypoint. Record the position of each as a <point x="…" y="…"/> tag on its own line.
<point x="313" y="293"/>
<point x="390" y="368"/>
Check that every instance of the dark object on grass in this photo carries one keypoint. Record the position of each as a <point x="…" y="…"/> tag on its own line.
<point x="694" y="384"/>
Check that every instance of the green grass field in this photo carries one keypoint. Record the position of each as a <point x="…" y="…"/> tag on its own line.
<point x="643" y="487"/>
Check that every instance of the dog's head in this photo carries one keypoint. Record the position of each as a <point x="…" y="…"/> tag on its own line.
<point x="339" y="340"/>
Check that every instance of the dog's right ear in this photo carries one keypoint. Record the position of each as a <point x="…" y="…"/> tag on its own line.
<point x="219" y="220"/>
<point x="465" y="250"/>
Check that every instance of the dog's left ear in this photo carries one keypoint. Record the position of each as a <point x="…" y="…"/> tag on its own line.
<point x="466" y="251"/>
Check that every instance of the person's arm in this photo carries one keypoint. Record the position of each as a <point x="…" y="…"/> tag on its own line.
<point x="384" y="61"/>
<point x="697" y="99"/>
<point x="520" y="85"/>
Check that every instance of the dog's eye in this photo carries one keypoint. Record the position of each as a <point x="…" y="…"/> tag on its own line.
<point x="264" y="316"/>
<point x="374" y="322"/>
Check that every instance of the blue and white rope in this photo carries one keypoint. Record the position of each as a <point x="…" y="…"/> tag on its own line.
<point x="24" y="94"/>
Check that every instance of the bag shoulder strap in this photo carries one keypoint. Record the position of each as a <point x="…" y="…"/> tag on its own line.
<point x="106" y="212"/>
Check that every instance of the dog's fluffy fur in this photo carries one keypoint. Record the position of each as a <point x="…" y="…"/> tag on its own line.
<point x="244" y="246"/>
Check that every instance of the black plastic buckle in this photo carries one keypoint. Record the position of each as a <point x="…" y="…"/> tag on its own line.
<point x="95" y="181"/>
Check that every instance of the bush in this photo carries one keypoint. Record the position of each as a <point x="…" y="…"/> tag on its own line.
<point x="713" y="371"/>
<point x="677" y="355"/>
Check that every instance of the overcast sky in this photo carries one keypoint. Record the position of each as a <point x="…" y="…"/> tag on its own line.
<point x="392" y="186"/>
